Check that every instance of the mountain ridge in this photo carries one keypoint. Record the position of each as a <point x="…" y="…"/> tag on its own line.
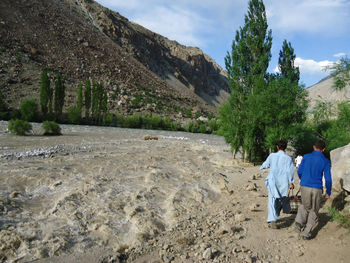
<point x="69" y="37"/>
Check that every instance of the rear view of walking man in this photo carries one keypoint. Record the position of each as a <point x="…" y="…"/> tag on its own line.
<point x="279" y="180"/>
<point x="311" y="170"/>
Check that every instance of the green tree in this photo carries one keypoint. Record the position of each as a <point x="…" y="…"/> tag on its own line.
<point x="3" y="107"/>
<point x="95" y="100"/>
<point x="341" y="73"/>
<point x="28" y="109"/>
<point x="286" y="63"/>
<point x="246" y="66"/>
<point x="45" y="92"/>
<point x="87" y="95"/>
<point x="60" y="91"/>
<point x="80" y="97"/>
<point x="283" y="109"/>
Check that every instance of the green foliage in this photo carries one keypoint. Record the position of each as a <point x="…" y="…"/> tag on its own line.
<point x="99" y="101"/>
<point x="336" y="216"/>
<point x="188" y="112"/>
<point x="283" y="106"/>
<point x="74" y="114"/>
<point x="246" y="67"/>
<point x="19" y="127"/>
<point x="3" y="104"/>
<point x="29" y="109"/>
<point x="80" y="98"/>
<point x="3" y="108"/>
<point x="322" y="112"/>
<point x="341" y="73"/>
<point x="262" y="108"/>
<point x="109" y="119"/>
<point x="87" y="95"/>
<point x="45" y="92"/>
<point x="336" y="132"/>
<point x="136" y="101"/>
<point x="60" y="92"/>
<point x="286" y="63"/>
<point x="51" y="128"/>
<point x="304" y="138"/>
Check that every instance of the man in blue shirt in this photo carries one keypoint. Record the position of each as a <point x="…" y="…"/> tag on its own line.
<point x="311" y="170"/>
<point x="279" y="180"/>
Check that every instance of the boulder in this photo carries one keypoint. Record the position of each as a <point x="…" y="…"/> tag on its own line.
<point x="340" y="159"/>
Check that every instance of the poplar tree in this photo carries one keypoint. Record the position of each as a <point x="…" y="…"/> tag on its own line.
<point x="87" y="95"/>
<point x="246" y="66"/>
<point x="59" y="96"/>
<point x="45" y="92"/>
<point x="286" y="63"/>
<point x="80" y="97"/>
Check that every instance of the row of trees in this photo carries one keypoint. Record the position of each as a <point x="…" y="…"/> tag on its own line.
<point x="52" y="100"/>
<point x="262" y="107"/>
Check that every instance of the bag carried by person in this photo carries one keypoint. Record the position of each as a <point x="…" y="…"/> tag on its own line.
<point x="283" y="204"/>
<point x="295" y="201"/>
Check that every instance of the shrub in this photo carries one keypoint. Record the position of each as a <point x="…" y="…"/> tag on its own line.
<point x="109" y="119"/>
<point x="29" y="110"/>
<point x="202" y="128"/>
<point x="74" y="114"/>
<point x="51" y="128"/>
<point x="19" y="127"/>
<point x="137" y="101"/>
<point x="336" y="216"/>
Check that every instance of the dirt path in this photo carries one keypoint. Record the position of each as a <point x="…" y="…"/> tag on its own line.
<point x="106" y="195"/>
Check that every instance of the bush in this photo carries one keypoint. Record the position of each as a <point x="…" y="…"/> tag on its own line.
<point x="74" y="114"/>
<point x="19" y="127"/>
<point x="336" y="216"/>
<point x="51" y="128"/>
<point x="137" y="101"/>
<point x="29" y="110"/>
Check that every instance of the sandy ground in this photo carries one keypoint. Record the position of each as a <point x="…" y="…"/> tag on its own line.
<point x="100" y="194"/>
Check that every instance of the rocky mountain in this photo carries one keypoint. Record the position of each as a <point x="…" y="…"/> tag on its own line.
<point x="83" y="40"/>
<point x="323" y="91"/>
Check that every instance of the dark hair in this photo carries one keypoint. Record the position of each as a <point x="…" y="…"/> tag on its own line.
<point x="320" y="145"/>
<point x="282" y="144"/>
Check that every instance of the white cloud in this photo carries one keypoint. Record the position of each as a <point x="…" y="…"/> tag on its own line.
<point x="312" y="16"/>
<point x="310" y="66"/>
<point x="338" y="55"/>
<point x="175" y="23"/>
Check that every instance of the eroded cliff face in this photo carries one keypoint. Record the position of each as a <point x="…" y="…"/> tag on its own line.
<point x="184" y="68"/>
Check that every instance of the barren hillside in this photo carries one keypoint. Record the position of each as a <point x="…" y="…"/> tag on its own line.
<point x="83" y="40"/>
<point x="323" y="91"/>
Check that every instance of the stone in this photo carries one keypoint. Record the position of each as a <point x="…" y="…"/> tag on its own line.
<point x="225" y="228"/>
<point x="340" y="159"/>
<point x="254" y="207"/>
<point x="207" y="254"/>
<point x="251" y="187"/>
<point x="239" y="218"/>
<point x="14" y="194"/>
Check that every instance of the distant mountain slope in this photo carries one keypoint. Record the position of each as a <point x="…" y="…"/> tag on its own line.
<point x="323" y="91"/>
<point x="82" y="40"/>
<point x="182" y="67"/>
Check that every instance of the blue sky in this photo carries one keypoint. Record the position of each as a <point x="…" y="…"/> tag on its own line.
<point x="319" y="30"/>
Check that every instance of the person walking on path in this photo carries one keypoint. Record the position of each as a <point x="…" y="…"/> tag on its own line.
<point x="311" y="170"/>
<point x="279" y="180"/>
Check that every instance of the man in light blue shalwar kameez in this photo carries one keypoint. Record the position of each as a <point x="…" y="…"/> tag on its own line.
<point x="279" y="180"/>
